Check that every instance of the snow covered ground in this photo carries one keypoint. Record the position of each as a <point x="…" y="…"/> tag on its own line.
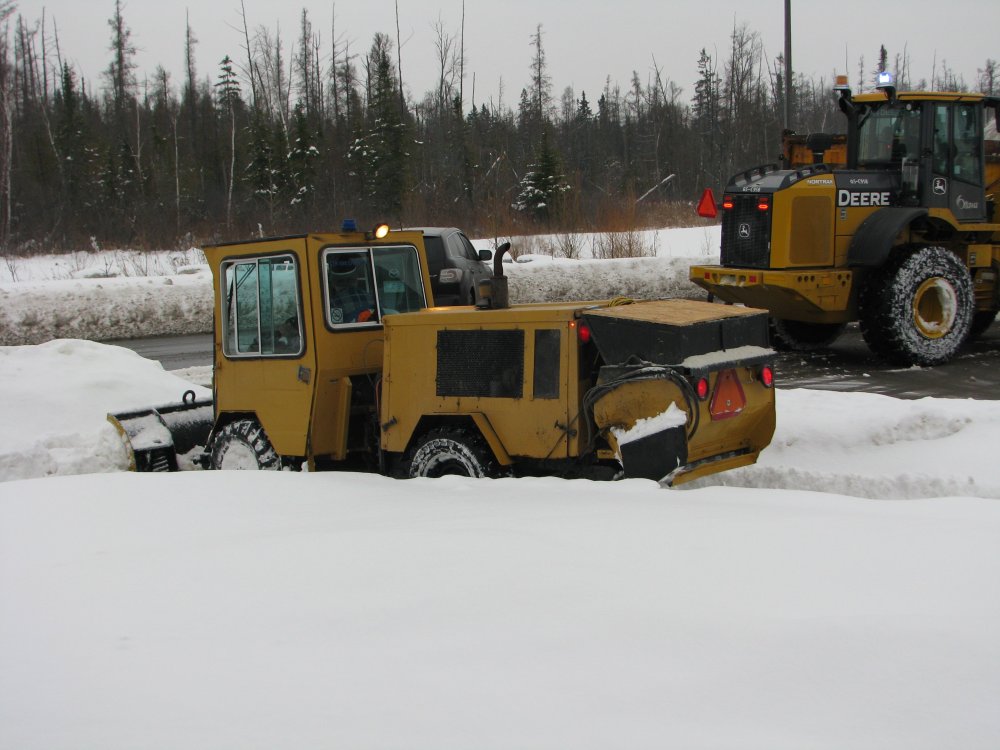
<point x="840" y="593"/>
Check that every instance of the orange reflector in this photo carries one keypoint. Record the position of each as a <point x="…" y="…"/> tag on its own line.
<point x="728" y="399"/>
<point x="706" y="206"/>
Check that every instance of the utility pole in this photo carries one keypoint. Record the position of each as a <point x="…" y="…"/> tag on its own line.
<point x="788" y="64"/>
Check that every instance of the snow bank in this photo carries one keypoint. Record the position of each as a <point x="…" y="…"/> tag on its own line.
<point x="55" y="398"/>
<point x="874" y="446"/>
<point x="38" y="311"/>
<point x="114" y="295"/>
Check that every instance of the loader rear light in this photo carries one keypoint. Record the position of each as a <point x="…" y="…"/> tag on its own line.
<point x="583" y="332"/>
<point x="728" y="202"/>
<point x="767" y="376"/>
<point x="701" y="388"/>
<point x="763" y="204"/>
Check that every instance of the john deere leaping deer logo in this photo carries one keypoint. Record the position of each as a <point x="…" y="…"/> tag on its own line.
<point x="939" y="186"/>
<point x="744" y="231"/>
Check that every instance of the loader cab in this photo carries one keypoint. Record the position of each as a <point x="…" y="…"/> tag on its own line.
<point x="932" y="144"/>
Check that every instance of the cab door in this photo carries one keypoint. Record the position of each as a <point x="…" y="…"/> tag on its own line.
<point x="957" y="161"/>
<point x="265" y="360"/>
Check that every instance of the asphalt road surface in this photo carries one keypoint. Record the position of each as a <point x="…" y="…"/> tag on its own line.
<point x="173" y="352"/>
<point x="849" y="366"/>
<point x="846" y="366"/>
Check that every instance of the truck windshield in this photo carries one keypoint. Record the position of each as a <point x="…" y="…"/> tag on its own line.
<point x="364" y="284"/>
<point x="888" y="134"/>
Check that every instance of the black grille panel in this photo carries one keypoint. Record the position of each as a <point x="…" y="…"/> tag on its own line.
<point x="746" y="234"/>
<point x="480" y="363"/>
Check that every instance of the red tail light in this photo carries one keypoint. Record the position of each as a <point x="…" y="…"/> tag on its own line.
<point x="767" y="376"/>
<point x="701" y="388"/>
<point x="728" y="202"/>
<point x="763" y="204"/>
<point x="583" y="333"/>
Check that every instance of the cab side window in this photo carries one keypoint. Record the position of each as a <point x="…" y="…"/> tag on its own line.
<point x="261" y="314"/>
<point x="941" y="139"/>
<point x="968" y="137"/>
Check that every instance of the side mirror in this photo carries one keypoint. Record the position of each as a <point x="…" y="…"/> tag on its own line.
<point x="485" y="255"/>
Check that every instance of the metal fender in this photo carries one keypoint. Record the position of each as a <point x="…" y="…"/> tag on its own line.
<point x="873" y="240"/>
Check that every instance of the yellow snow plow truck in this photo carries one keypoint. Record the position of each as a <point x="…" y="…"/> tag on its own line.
<point x="329" y="352"/>
<point x="904" y="237"/>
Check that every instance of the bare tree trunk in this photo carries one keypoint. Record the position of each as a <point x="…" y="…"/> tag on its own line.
<point x="249" y="49"/>
<point x="232" y="167"/>
<point x="399" y="62"/>
<point x="461" y="64"/>
<point x="177" y="177"/>
<point x="6" y="134"/>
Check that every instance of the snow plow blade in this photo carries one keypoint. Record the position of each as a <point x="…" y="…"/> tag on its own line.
<point x="155" y="437"/>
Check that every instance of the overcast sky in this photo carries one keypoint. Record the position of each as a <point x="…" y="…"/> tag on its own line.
<point x="585" y="41"/>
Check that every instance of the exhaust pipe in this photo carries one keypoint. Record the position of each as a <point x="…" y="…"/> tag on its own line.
<point x="493" y="293"/>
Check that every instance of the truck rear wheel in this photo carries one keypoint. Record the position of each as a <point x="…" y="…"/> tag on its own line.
<point x="450" y="452"/>
<point x="798" y="336"/>
<point x="917" y="309"/>
<point x="243" y="445"/>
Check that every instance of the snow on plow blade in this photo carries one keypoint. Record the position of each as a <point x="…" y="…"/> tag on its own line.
<point x="689" y="396"/>
<point x="154" y="437"/>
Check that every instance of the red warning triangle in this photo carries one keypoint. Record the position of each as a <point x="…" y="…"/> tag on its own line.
<point x="706" y="206"/>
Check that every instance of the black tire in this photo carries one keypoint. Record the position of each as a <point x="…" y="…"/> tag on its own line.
<point x="918" y="308"/>
<point x="798" y="336"/>
<point x="243" y="445"/>
<point x="450" y="451"/>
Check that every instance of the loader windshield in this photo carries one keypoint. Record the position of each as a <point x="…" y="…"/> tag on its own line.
<point x="888" y="134"/>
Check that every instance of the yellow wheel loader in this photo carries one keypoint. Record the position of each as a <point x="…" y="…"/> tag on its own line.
<point x="330" y="353"/>
<point x="903" y="236"/>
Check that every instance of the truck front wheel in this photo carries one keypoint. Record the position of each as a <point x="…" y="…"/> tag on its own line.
<point x="243" y="445"/>
<point x="450" y="451"/>
<point x="917" y="309"/>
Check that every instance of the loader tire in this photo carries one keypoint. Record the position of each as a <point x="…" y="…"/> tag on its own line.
<point x="243" y="445"/>
<point x="450" y="452"/>
<point x="798" y="336"/>
<point x="918" y="308"/>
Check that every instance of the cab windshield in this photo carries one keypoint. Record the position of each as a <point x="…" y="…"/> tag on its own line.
<point x="363" y="284"/>
<point x="888" y="134"/>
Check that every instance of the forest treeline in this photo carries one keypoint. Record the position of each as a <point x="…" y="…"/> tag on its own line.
<point x="290" y="136"/>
